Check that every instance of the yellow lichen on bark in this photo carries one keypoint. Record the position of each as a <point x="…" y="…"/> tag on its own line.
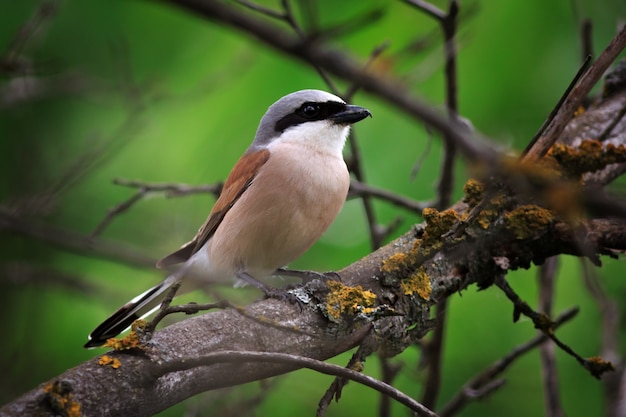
<point x="474" y="192"/>
<point x="418" y="283"/>
<point x="343" y="299"/>
<point x="527" y="220"/>
<point x="438" y="223"/>
<point x="109" y="360"/>
<point x="61" y="399"/>
<point x="589" y="156"/>
<point x="130" y="341"/>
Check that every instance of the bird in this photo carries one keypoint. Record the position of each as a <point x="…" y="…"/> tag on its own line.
<point x="279" y="198"/>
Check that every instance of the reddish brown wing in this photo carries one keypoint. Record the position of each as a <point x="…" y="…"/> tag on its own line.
<point x="236" y="184"/>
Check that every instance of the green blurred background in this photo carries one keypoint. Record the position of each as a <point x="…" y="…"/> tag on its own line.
<point x="163" y="96"/>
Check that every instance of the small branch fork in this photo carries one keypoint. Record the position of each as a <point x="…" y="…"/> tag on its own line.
<point x="596" y="366"/>
<point x="576" y="95"/>
<point x="298" y="361"/>
<point x="147" y="189"/>
<point x="485" y="382"/>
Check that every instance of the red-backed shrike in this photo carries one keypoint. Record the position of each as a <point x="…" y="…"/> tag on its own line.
<point x="279" y="198"/>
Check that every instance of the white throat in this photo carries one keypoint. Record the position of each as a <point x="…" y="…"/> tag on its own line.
<point x="322" y="136"/>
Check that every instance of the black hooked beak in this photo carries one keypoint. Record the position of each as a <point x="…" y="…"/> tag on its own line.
<point x="350" y="114"/>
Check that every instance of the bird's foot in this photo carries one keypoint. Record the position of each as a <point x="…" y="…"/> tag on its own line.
<point x="270" y="292"/>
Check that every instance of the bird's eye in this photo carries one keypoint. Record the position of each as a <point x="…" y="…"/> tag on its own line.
<point x="310" y="110"/>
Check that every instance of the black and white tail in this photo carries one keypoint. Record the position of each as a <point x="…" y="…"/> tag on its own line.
<point x="137" y="308"/>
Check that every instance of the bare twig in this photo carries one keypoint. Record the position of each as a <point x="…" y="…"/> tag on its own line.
<point x="558" y="106"/>
<point x="343" y="66"/>
<point x="366" y="348"/>
<point x="284" y="15"/>
<point x="299" y="361"/>
<point x="448" y="20"/>
<point x="117" y="210"/>
<point x="172" y="189"/>
<point x="596" y="366"/>
<point x="27" y="274"/>
<point x="359" y="188"/>
<point x="11" y="62"/>
<point x="72" y="241"/>
<point x="163" y="309"/>
<point x="586" y="38"/>
<point x="547" y="276"/>
<point x="389" y="371"/>
<point x="609" y="338"/>
<point x="576" y="96"/>
<point x="433" y="356"/>
<point x="486" y="377"/>
<point x="430" y="9"/>
<point x="145" y="189"/>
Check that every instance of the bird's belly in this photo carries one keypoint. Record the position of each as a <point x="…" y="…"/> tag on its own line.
<point x="280" y="216"/>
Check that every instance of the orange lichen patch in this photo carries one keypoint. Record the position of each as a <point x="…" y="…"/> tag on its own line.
<point x="580" y="110"/>
<point x="131" y="341"/>
<point x="597" y="366"/>
<point x="349" y="300"/>
<point x="109" y="360"/>
<point x="395" y="263"/>
<point x="589" y="156"/>
<point x="527" y="220"/>
<point x="474" y="192"/>
<point x="418" y="283"/>
<point x="60" y="398"/>
<point x="437" y="223"/>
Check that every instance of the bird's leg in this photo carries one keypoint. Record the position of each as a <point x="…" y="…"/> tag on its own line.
<point x="244" y="276"/>
<point x="270" y="292"/>
<point x="308" y="276"/>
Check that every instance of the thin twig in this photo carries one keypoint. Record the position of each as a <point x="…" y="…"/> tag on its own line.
<point x="446" y="181"/>
<point x="576" y="96"/>
<point x="172" y="189"/>
<point x="377" y="234"/>
<point x="72" y="241"/>
<point x="487" y="376"/>
<point x="547" y="276"/>
<point x="448" y="21"/>
<point x="596" y="366"/>
<point x="10" y="61"/>
<point x="299" y="361"/>
<point x="430" y="9"/>
<point x="263" y="10"/>
<point x="117" y="210"/>
<point x="359" y="188"/>
<point x="389" y="371"/>
<point x="343" y="66"/>
<point x="433" y="355"/>
<point x="356" y="168"/>
<point x="145" y="189"/>
<point x="367" y="346"/>
<point x="558" y="106"/>
<point x="162" y="312"/>
<point x="586" y="38"/>
<point x="610" y="318"/>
